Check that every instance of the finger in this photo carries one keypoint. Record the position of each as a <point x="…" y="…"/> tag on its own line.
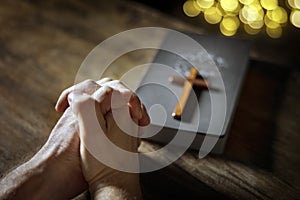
<point x="145" y="120"/>
<point x="119" y="97"/>
<point x="117" y="85"/>
<point x="103" y="97"/>
<point x="79" y="101"/>
<point x="119" y="135"/>
<point x="83" y="106"/>
<point x="100" y="117"/>
<point x="135" y="107"/>
<point x="103" y="80"/>
<point x="88" y="86"/>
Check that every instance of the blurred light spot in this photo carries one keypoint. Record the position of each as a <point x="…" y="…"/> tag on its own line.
<point x="256" y="24"/>
<point x="250" y="13"/>
<point x="269" y="4"/>
<point x="219" y="7"/>
<point x="246" y="2"/>
<point x="297" y="3"/>
<point x="229" y="25"/>
<point x="294" y="4"/>
<point x="278" y="15"/>
<point x="291" y="3"/>
<point x="195" y="4"/>
<point x="270" y="24"/>
<point x="244" y="20"/>
<point x="212" y="15"/>
<point x="295" y="18"/>
<point x="254" y="14"/>
<point x="205" y="3"/>
<point x="229" y="5"/>
<point x="234" y="12"/>
<point x="274" y="33"/>
<point x="190" y="10"/>
<point x="226" y="32"/>
<point x="250" y="30"/>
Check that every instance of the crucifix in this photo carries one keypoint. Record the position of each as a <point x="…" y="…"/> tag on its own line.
<point x="192" y="80"/>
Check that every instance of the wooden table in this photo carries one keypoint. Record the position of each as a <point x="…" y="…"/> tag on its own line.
<point x="42" y="45"/>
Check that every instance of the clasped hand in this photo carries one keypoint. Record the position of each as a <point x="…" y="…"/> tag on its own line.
<point x="63" y="168"/>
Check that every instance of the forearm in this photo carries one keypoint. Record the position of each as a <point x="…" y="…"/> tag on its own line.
<point x="38" y="178"/>
<point x="25" y="182"/>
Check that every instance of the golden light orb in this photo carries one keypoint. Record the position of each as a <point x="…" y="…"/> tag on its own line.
<point x="297" y="3"/>
<point x="205" y="3"/>
<point x="270" y="23"/>
<point x="219" y="7"/>
<point x="242" y="18"/>
<point x="294" y="4"/>
<point x="229" y="26"/>
<point x="260" y="10"/>
<point x="212" y="15"/>
<point x="295" y="18"/>
<point x="226" y="32"/>
<point x="256" y="24"/>
<point x="250" y="13"/>
<point x="190" y="10"/>
<point x="234" y="12"/>
<point x="197" y="6"/>
<point x="291" y="3"/>
<point x="246" y="2"/>
<point x="229" y="5"/>
<point x="250" y="30"/>
<point x="269" y="4"/>
<point x="274" y="33"/>
<point x="278" y="15"/>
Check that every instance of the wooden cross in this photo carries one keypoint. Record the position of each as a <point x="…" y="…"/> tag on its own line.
<point x="191" y="81"/>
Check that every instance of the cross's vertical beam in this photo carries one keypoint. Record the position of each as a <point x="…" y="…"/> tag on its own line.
<point x="187" y="88"/>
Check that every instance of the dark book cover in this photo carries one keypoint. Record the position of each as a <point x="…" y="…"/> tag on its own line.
<point x="204" y="111"/>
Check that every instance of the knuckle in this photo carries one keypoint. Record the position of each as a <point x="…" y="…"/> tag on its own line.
<point x="117" y="82"/>
<point x="89" y="82"/>
<point x="106" y="79"/>
<point x="83" y="103"/>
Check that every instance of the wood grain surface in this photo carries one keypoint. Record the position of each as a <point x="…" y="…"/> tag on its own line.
<point x="42" y="44"/>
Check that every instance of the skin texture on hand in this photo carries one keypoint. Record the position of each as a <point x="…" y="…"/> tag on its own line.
<point x="54" y="172"/>
<point x="105" y="182"/>
<point x="63" y="168"/>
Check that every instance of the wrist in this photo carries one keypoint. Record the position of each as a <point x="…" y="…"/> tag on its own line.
<point x="58" y="176"/>
<point x="118" y="185"/>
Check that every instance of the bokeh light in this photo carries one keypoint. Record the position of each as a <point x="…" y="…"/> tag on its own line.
<point x="270" y="23"/>
<point x="294" y="4"/>
<point x="278" y="15"/>
<point x="190" y="9"/>
<point x="246" y="2"/>
<point x="251" y="30"/>
<point x="250" y="13"/>
<point x="212" y="15"/>
<point x="295" y="18"/>
<point x="269" y="4"/>
<point x="274" y="32"/>
<point x="229" y="5"/>
<point x="229" y="25"/>
<point x="205" y="3"/>
<point x="253" y="14"/>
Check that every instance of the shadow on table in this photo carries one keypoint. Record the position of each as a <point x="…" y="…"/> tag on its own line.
<point x="253" y="130"/>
